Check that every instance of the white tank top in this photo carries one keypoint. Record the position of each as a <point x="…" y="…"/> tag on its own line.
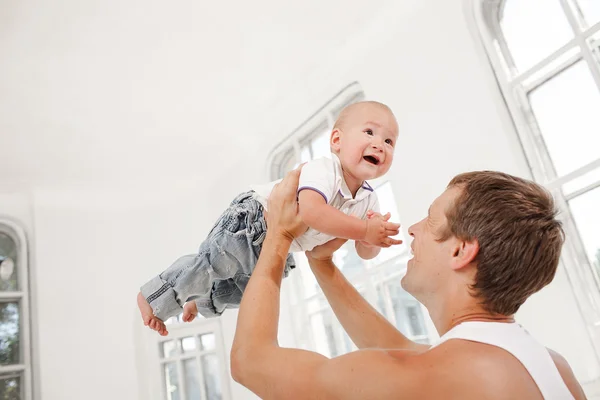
<point x="513" y="338"/>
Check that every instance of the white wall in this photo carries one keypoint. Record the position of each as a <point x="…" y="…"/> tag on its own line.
<point x="159" y="119"/>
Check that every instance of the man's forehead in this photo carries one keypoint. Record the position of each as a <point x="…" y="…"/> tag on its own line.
<point x="444" y="200"/>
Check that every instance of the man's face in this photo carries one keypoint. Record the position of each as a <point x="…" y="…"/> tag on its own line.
<point x="429" y="268"/>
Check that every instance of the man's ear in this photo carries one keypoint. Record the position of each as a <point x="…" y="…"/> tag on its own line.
<point x="336" y="137"/>
<point x="464" y="253"/>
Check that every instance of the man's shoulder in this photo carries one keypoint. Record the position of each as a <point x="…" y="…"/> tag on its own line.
<point x="473" y="370"/>
<point x="490" y="369"/>
<point x="566" y="373"/>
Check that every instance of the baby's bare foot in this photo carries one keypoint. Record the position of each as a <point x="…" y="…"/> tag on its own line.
<point x="148" y="316"/>
<point x="189" y="311"/>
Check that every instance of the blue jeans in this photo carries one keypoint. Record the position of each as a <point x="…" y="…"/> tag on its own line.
<point x="217" y="276"/>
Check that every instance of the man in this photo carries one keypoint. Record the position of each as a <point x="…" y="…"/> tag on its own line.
<point x="488" y="242"/>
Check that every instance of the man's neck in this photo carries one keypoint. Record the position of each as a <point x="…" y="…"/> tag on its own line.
<point x="447" y="315"/>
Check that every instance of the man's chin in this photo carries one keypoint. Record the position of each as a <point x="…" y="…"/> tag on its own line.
<point x="404" y="282"/>
<point x="407" y="284"/>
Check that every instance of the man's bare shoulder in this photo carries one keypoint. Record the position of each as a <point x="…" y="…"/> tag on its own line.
<point x="493" y="372"/>
<point x="456" y="369"/>
<point x="469" y="370"/>
<point x="567" y="375"/>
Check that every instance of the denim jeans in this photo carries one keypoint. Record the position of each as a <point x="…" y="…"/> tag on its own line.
<point x="217" y="276"/>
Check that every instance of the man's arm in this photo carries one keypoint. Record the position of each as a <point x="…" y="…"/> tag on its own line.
<point x="366" y="327"/>
<point x="272" y="372"/>
<point x="365" y="251"/>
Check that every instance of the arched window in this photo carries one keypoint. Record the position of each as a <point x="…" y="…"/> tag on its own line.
<point x="546" y="58"/>
<point x="378" y="280"/>
<point x="15" y="317"/>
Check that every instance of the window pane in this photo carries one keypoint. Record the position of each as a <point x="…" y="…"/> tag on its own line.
<point x="175" y="320"/>
<point x="9" y="334"/>
<point x="188" y="344"/>
<point x="380" y="305"/>
<point x="288" y="164"/>
<point x="533" y="29"/>
<point x="10" y="387"/>
<point x="169" y="349"/>
<point x="590" y="10"/>
<point x="586" y="214"/>
<point x="309" y="282"/>
<point x="348" y="261"/>
<point x="8" y="252"/>
<point x="566" y="110"/>
<point x="191" y="373"/>
<point x="212" y="380"/>
<point x="208" y="341"/>
<point x="407" y="311"/>
<point x="323" y="333"/>
<point x="387" y="203"/>
<point x="320" y="145"/>
<point x="171" y="382"/>
<point x="304" y="154"/>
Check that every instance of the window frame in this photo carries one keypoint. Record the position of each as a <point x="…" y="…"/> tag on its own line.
<point x="291" y="144"/>
<point x="514" y="88"/>
<point x="23" y="298"/>
<point x="151" y="362"/>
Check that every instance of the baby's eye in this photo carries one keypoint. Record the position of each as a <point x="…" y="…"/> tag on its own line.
<point x="390" y="142"/>
<point x="369" y="132"/>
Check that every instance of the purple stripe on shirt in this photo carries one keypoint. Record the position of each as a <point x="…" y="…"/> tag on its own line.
<point x="368" y="187"/>
<point x="312" y="188"/>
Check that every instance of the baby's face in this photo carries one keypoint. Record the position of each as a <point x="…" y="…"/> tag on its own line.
<point x="366" y="142"/>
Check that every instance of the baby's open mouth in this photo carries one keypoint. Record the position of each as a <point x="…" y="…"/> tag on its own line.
<point x="371" y="159"/>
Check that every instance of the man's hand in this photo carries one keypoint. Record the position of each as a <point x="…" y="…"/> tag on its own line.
<point x="379" y="230"/>
<point x="283" y="217"/>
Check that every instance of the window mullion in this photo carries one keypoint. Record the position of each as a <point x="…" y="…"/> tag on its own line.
<point x="551" y="73"/>
<point x="506" y="54"/>
<point x="11" y="296"/>
<point x="534" y="144"/>
<point x="581" y="40"/>
<point x="518" y="80"/>
<point x="12" y="368"/>
<point x="579" y="172"/>
<point x="181" y="379"/>
<point x="201" y="383"/>
<point x="582" y="191"/>
<point x="591" y="30"/>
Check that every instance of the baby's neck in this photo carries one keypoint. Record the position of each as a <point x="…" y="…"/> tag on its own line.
<point x="352" y="183"/>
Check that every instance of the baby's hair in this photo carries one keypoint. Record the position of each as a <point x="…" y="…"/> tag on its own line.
<point x="343" y="117"/>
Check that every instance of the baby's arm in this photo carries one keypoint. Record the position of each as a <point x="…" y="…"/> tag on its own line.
<point x="317" y="214"/>
<point x="365" y="250"/>
<point x="324" y="218"/>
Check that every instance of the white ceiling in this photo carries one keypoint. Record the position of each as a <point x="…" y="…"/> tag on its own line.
<point x="99" y="90"/>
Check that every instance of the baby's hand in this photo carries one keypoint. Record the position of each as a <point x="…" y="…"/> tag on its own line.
<point x="379" y="230"/>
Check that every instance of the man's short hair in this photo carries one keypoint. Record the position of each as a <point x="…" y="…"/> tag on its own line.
<point x="520" y="239"/>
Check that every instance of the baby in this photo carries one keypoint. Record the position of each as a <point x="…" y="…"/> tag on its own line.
<point x="335" y="201"/>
